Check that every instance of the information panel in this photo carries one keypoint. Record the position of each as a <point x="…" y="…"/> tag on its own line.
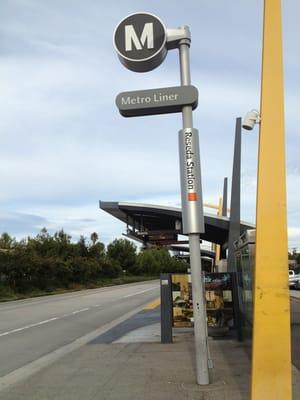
<point x="219" y="301"/>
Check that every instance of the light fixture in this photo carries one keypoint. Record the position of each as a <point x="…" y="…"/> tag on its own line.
<point x="251" y="118"/>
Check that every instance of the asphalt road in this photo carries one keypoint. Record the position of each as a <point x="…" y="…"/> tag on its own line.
<point x="295" y="317"/>
<point x="30" y="329"/>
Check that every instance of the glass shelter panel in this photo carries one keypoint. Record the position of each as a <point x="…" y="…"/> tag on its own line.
<point x="245" y="254"/>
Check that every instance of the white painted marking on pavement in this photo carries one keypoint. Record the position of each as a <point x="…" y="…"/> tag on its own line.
<point x="67" y="315"/>
<point x="28" y="326"/>
<point x="28" y="370"/>
<point x="79" y="311"/>
<point x="135" y="294"/>
<point x="23" y="328"/>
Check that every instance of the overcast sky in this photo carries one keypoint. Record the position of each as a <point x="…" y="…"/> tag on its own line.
<point x="64" y="146"/>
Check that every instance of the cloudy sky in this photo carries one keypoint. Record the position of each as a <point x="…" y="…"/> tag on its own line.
<point x="64" y="145"/>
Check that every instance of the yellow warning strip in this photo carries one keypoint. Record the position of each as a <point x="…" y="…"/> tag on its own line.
<point x="153" y="304"/>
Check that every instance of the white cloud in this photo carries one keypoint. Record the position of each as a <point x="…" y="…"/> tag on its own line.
<point x="63" y="144"/>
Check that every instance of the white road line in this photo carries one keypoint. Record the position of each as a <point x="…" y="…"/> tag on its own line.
<point x="17" y="304"/>
<point x="67" y="315"/>
<point x="79" y="311"/>
<point x="28" y="370"/>
<point x="46" y="321"/>
<point x="28" y="326"/>
<point x="135" y="294"/>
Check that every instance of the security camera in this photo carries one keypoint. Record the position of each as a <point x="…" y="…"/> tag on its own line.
<point x="251" y="118"/>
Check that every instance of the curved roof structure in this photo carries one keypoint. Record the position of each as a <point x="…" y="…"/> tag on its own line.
<point x="156" y="224"/>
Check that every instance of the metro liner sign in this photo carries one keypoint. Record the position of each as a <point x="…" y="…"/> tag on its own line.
<point x="142" y="42"/>
<point x="156" y="101"/>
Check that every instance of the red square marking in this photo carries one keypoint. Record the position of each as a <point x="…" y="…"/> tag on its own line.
<point x="192" y="196"/>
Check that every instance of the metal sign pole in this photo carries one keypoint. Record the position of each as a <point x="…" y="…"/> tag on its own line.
<point x="141" y="51"/>
<point x="192" y="215"/>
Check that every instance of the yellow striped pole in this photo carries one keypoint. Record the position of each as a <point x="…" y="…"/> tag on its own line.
<point x="271" y="348"/>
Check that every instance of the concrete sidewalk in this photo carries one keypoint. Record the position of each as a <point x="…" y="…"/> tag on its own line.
<point x="136" y="366"/>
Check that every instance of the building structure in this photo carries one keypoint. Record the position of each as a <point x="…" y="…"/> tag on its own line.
<point x="162" y="225"/>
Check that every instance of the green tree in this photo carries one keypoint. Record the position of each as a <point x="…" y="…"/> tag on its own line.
<point x="110" y="267"/>
<point x="62" y="238"/>
<point x="6" y="241"/>
<point x="97" y="251"/>
<point x="82" y="247"/>
<point x="41" y="245"/>
<point x="124" y="252"/>
<point x="155" y="260"/>
<point x="94" y="238"/>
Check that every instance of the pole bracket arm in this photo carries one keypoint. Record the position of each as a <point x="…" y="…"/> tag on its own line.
<point x="178" y="36"/>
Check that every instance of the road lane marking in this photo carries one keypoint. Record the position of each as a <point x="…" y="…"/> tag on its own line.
<point x="79" y="311"/>
<point x="136" y="293"/>
<point x="28" y="326"/>
<point x="33" y="367"/>
<point x="46" y="321"/>
<point x="17" y="304"/>
<point x="67" y="315"/>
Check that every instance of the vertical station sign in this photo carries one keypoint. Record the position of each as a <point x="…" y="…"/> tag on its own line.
<point x="191" y="190"/>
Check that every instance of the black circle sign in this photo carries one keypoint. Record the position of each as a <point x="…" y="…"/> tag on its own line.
<point x="140" y="41"/>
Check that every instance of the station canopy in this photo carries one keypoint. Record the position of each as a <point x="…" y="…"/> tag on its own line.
<point x="162" y="225"/>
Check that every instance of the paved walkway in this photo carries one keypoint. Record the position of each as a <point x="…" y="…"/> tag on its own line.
<point x="131" y="364"/>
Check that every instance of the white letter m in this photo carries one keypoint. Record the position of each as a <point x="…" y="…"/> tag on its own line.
<point x="131" y="36"/>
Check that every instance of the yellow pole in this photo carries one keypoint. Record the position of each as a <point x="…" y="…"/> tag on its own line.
<point x="271" y="348"/>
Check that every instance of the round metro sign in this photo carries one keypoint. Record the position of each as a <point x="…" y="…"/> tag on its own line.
<point x="140" y="41"/>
